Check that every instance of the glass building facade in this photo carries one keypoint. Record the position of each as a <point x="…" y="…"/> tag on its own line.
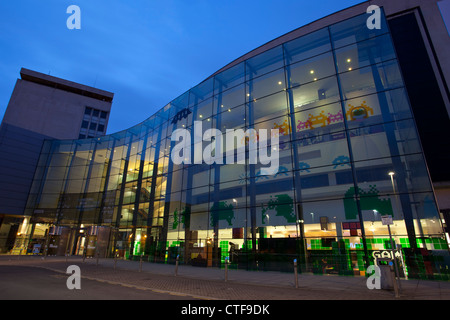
<point x="349" y="153"/>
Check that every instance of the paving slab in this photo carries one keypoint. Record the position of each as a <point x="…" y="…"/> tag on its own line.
<point x="210" y="283"/>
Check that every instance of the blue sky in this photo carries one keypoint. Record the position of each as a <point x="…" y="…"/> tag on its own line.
<point x="147" y="52"/>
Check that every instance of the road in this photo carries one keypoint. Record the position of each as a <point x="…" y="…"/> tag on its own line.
<point x="32" y="283"/>
<point x="191" y="292"/>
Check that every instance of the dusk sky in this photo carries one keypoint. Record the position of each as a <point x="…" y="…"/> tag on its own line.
<point x="146" y="52"/>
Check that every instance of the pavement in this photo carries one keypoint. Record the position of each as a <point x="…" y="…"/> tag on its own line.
<point x="213" y="283"/>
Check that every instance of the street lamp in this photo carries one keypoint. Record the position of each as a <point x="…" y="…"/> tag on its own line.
<point x="391" y="174"/>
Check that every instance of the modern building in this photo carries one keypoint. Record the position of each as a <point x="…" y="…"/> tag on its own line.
<point x="361" y="103"/>
<point x="41" y="107"/>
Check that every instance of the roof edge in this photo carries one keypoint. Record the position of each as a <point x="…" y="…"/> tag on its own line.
<point x="66" y="85"/>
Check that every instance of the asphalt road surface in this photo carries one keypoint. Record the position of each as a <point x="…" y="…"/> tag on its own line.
<point x="31" y="283"/>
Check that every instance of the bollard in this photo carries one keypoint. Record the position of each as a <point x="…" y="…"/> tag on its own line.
<point x="84" y="257"/>
<point x="98" y="255"/>
<point x="115" y="261"/>
<point x="226" y="269"/>
<point x="295" y="273"/>
<point x="176" y="265"/>
<point x="140" y="263"/>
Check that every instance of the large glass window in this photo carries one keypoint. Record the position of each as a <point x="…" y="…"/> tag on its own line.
<point x="312" y="69"/>
<point x="203" y="110"/>
<point x="231" y="118"/>
<point x="312" y="123"/>
<point x="355" y="30"/>
<point x="384" y="140"/>
<point x="264" y="63"/>
<point x="365" y="53"/>
<point x="367" y="80"/>
<point x="323" y="150"/>
<point x="307" y="46"/>
<point x="376" y="108"/>
<point x="229" y="99"/>
<point x="229" y="78"/>
<point x="315" y="94"/>
<point x="265" y="85"/>
<point x="266" y="108"/>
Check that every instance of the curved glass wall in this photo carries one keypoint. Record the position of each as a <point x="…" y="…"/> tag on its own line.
<point x="349" y="153"/>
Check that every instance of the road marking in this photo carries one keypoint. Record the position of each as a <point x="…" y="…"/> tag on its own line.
<point x="177" y="294"/>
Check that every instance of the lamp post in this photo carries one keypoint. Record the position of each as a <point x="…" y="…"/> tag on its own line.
<point x="245" y="236"/>
<point x="391" y="174"/>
